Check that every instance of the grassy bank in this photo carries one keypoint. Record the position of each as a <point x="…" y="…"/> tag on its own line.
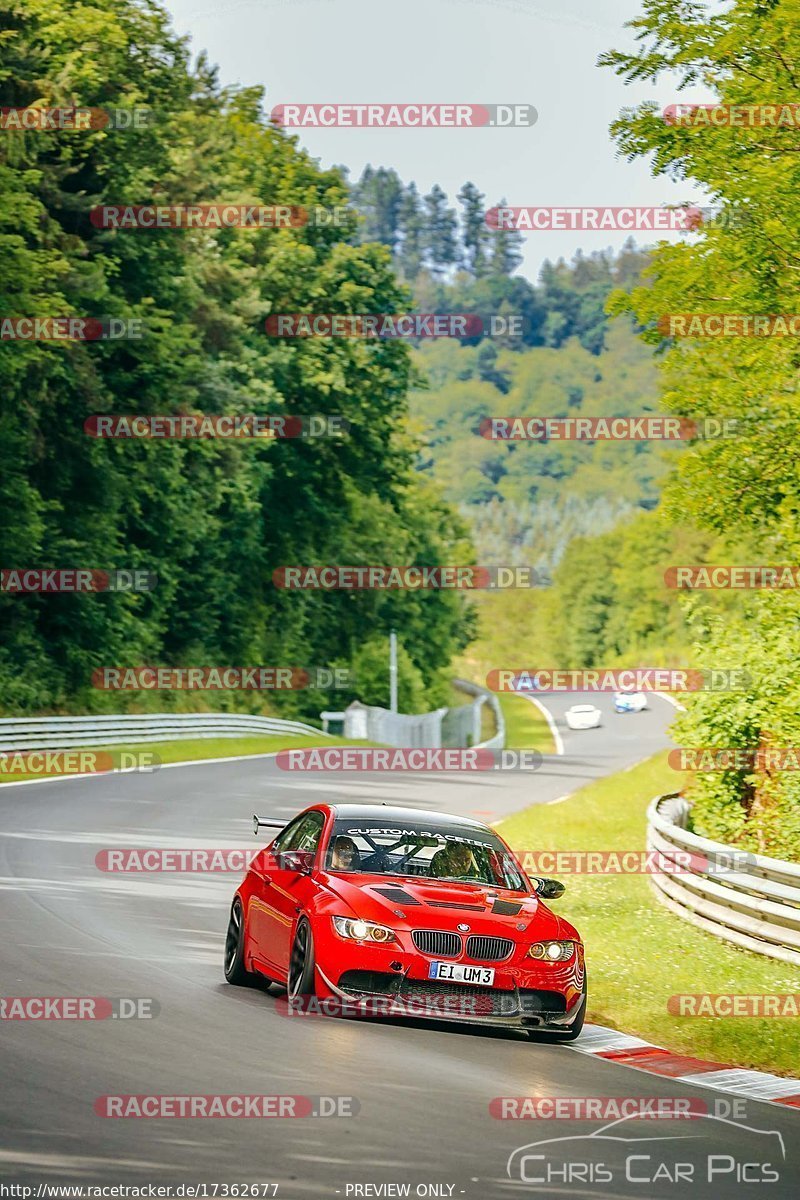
<point x="638" y="953"/>
<point x="526" y="728"/>
<point x="193" y="749"/>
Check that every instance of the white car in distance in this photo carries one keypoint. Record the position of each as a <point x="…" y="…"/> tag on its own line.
<point x="583" y="716"/>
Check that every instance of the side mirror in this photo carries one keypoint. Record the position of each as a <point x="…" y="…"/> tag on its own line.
<point x="548" y="889"/>
<point x="301" y="861"/>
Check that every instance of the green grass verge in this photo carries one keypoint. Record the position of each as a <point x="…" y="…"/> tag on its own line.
<point x="526" y="728"/>
<point x="638" y="953"/>
<point x="198" y="749"/>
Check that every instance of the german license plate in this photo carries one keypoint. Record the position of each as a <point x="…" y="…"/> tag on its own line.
<point x="461" y="973"/>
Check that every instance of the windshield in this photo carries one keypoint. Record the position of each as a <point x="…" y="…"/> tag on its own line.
<point x="425" y="850"/>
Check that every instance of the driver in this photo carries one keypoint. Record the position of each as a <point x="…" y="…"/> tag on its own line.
<point x="453" y="859"/>
<point x="344" y="856"/>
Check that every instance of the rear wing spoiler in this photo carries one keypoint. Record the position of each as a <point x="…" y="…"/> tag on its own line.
<point x="266" y="823"/>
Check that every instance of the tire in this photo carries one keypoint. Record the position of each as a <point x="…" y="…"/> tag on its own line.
<point x="301" y="975"/>
<point x="235" y="970"/>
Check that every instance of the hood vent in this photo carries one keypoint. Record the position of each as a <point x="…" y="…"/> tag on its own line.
<point x="455" y="904"/>
<point x="397" y="895"/>
<point x="506" y="908"/>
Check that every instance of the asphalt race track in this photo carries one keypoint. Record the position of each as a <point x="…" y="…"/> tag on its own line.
<point x="423" y="1090"/>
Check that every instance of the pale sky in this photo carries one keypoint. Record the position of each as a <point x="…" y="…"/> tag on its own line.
<point x="537" y="52"/>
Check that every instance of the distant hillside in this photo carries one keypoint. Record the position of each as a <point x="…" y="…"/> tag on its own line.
<point x="452" y="261"/>
<point x="526" y="501"/>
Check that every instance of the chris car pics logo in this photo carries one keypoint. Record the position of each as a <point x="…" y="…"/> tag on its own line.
<point x="717" y="1150"/>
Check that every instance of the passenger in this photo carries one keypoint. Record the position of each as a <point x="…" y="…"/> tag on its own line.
<point x="453" y="859"/>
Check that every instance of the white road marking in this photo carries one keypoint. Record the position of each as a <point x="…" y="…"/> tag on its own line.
<point x="671" y="700"/>
<point x="757" y="1085"/>
<point x="187" y="762"/>
<point x="548" y="716"/>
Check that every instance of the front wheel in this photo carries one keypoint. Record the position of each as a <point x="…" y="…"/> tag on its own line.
<point x="300" y="980"/>
<point x="235" y="970"/>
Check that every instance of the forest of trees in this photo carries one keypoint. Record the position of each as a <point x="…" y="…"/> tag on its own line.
<point x="732" y="500"/>
<point x="212" y="519"/>
<point x="525" y="501"/>
<point x="425" y="233"/>
<point x="411" y="482"/>
<point x="454" y="262"/>
<point x="742" y="492"/>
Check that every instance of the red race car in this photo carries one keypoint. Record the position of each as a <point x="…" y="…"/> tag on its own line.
<point x="404" y="912"/>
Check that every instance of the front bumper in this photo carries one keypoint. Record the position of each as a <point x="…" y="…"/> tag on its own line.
<point x="376" y="993"/>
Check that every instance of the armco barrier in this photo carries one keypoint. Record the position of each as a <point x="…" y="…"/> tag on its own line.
<point x="756" y="906"/>
<point x="43" y="733"/>
<point x="498" y="741"/>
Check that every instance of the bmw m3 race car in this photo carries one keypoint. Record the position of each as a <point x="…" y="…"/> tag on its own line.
<point x="397" y="911"/>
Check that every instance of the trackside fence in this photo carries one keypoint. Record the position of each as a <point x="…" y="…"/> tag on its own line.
<point x="443" y="727"/>
<point x="747" y="899"/>
<point x="482" y="696"/>
<point x="43" y="733"/>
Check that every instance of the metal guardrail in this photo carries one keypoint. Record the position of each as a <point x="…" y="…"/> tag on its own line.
<point x="448" y="727"/>
<point x="485" y="697"/>
<point x="43" y="733"/>
<point x="747" y="899"/>
<point x="375" y="724"/>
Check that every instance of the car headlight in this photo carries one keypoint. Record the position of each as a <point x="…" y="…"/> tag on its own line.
<point x="362" y="931"/>
<point x="552" y="951"/>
